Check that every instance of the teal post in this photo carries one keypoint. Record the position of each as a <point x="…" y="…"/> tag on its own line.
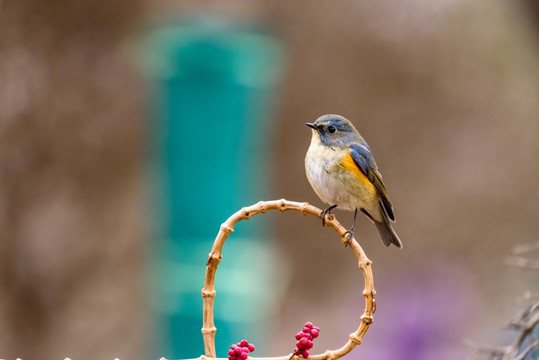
<point x="213" y="89"/>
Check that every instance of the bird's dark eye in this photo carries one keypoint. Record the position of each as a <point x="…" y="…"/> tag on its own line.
<point x="331" y="129"/>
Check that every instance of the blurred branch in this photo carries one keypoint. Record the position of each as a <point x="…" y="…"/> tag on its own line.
<point x="522" y="262"/>
<point x="518" y="350"/>
<point x="208" y="292"/>
<point x="525" y="323"/>
<point x="518" y="259"/>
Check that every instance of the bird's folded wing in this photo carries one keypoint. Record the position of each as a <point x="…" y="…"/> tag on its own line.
<point x="364" y="160"/>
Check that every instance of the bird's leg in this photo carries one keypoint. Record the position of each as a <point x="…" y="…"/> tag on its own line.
<point x="349" y="234"/>
<point x="326" y="211"/>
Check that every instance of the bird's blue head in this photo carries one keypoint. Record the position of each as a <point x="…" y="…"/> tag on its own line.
<point x="335" y="130"/>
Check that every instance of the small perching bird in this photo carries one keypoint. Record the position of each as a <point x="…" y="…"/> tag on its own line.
<point x="342" y="171"/>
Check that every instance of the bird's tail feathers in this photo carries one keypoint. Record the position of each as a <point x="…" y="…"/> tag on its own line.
<point x="388" y="235"/>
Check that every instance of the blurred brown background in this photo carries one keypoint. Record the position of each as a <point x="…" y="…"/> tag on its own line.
<point x="445" y="92"/>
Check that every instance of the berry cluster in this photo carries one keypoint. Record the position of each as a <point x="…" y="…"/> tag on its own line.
<point x="305" y="339"/>
<point x="240" y="351"/>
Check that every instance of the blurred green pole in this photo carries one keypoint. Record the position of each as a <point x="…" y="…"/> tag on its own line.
<point x="213" y="86"/>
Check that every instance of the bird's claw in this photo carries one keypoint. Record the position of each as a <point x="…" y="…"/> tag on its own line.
<point x="326" y="213"/>
<point x="323" y="216"/>
<point x="347" y="237"/>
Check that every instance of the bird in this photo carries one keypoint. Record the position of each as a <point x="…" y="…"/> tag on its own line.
<point x="341" y="170"/>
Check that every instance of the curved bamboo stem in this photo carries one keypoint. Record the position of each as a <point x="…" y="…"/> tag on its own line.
<point x="208" y="292"/>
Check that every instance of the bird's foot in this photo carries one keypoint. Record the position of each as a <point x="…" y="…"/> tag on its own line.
<point x="347" y="237"/>
<point x="326" y="212"/>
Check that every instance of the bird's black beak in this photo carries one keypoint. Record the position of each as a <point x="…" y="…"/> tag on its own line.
<point x="311" y="125"/>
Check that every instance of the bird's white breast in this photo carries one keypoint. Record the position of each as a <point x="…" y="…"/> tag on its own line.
<point x="327" y="179"/>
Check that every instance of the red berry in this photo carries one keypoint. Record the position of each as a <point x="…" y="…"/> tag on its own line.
<point x="244" y="355"/>
<point x="243" y="343"/>
<point x="237" y="350"/>
<point x="251" y="347"/>
<point x="231" y="352"/>
<point x="305" y="339"/>
<point x="233" y="346"/>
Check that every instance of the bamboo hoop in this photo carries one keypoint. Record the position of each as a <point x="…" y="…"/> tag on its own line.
<point x="208" y="292"/>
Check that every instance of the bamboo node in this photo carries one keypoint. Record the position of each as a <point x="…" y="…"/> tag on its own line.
<point x="366" y="319"/>
<point x="209" y="330"/>
<point x="227" y="229"/>
<point x="355" y="339"/>
<point x="330" y="355"/>
<point x="262" y="206"/>
<point x="208" y="293"/>
<point x="364" y="264"/>
<point x="330" y="218"/>
<point x="246" y="214"/>
<point x="214" y="259"/>
<point x="369" y="292"/>
<point x="304" y="208"/>
<point x="282" y="205"/>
